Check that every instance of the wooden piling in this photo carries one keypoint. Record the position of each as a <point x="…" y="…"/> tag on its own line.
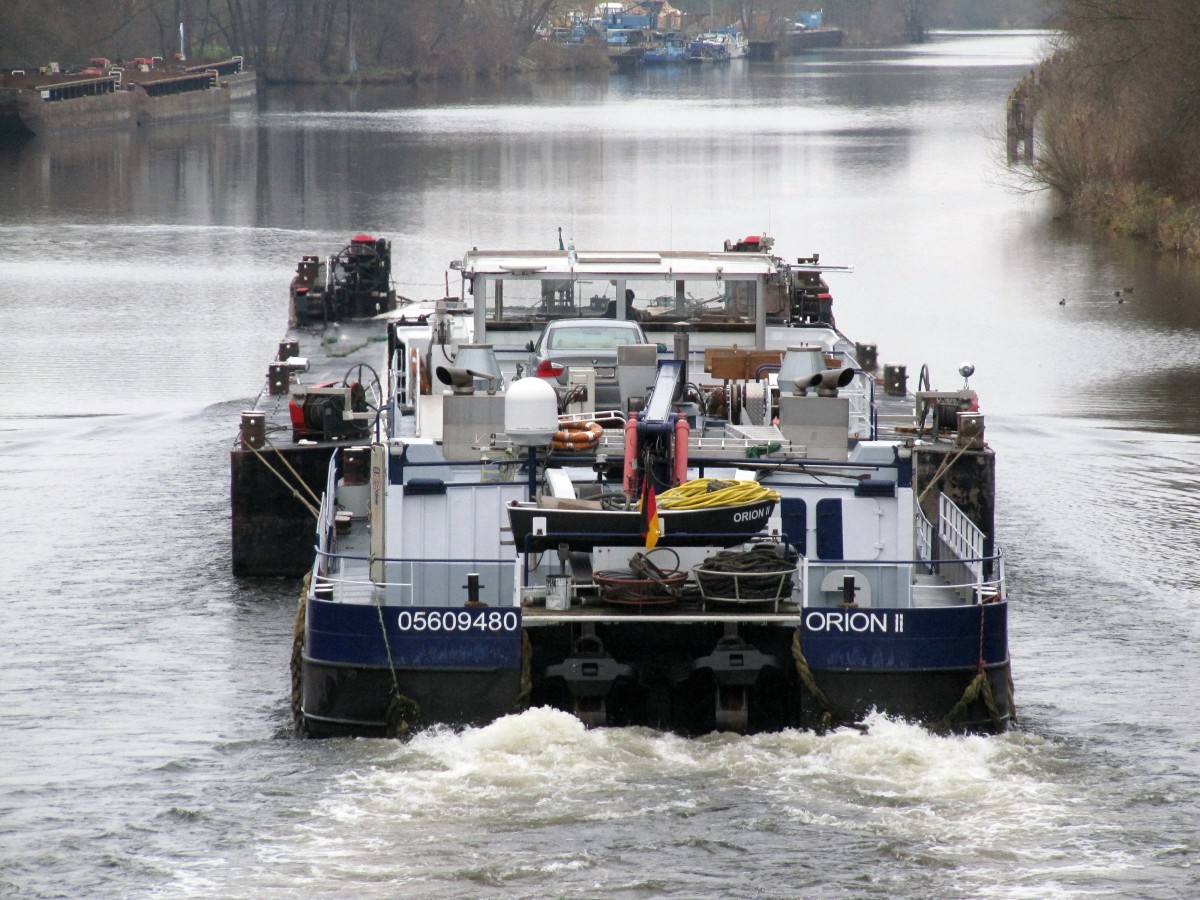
<point x="1021" y="115"/>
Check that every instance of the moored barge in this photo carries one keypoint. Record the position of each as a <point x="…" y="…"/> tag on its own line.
<point x="104" y="95"/>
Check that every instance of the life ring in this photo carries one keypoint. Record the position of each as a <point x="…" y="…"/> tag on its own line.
<point x="577" y="436"/>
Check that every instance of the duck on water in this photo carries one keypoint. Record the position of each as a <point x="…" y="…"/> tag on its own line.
<point x="760" y="534"/>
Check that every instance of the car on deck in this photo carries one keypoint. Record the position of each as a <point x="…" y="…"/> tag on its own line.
<point x="567" y="343"/>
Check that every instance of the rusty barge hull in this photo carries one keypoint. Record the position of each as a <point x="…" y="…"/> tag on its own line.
<point x="45" y="104"/>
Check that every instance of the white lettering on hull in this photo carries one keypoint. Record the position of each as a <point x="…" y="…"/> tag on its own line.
<point x="856" y="621"/>
<point x="749" y="515"/>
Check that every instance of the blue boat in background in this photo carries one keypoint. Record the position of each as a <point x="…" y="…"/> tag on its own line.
<point x="673" y="48"/>
<point x="809" y="20"/>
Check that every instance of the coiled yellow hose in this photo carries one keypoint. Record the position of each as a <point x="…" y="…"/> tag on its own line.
<point x="700" y="493"/>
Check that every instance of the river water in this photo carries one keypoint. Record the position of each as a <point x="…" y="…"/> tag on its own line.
<point x="145" y="745"/>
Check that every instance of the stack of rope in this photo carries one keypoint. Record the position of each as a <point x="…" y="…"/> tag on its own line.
<point x="743" y="581"/>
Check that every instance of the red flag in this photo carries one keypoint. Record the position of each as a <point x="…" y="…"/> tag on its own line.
<point x="650" y="524"/>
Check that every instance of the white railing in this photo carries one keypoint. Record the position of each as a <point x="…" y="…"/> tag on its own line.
<point x="862" y="401"/>
<point x="407" y="583"/>
<point x="325" y="518"/>
<point x="961" y="536"/>
<point x="891" y="583"/>
<point x="924" y="537"/>
<point x="956" y="553"/>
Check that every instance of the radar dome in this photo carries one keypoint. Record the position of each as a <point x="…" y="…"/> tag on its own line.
<point x="530" y="412"/>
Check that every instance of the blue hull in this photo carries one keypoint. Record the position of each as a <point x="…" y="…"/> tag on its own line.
<point x="895" y="640"/>
<point x="463" y="666"/>
<point x="917" y="664"/>
<point x="374" y="671"/>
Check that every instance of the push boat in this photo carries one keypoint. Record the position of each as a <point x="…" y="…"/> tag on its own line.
<point x="766" y="534"/>
<point x="354" y="283"/>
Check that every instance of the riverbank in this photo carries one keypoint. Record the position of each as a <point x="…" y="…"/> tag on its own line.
<point x="1089" y="168"/>
<point x="1119" y="122"/>
<point x="1130" y="209"/>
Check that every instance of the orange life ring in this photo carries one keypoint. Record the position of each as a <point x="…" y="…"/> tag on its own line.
<point x="577" y="436"/>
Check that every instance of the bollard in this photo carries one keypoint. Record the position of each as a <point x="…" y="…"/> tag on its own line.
<point x="254" y="430"/>
<point x="970" y="431"/>
<point x="472" y="587"/>
<point x="279" y="378"/>
<point x="867" y="356"/>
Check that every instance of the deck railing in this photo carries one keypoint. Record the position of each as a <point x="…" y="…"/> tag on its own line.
<point x="403" y="585"/>
<point x="961" y="536"/>
<point x="955" y="553"/>
<point x="891" y="582"/>
<point x="325" y="517"/>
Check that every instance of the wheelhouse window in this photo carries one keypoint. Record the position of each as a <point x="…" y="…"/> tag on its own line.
<point x="664" y="301"/>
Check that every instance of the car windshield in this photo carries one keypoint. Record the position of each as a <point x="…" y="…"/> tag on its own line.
<point x="591" y="337"/>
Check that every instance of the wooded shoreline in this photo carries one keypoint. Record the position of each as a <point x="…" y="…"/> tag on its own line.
<point x="1119" y="119"/>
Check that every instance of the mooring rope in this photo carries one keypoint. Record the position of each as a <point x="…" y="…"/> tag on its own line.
<point x="947" y="462"/>
<point x="304" y="484"/>
<point x="809" y="682"/>
<point x="979" y="686"/>
<point x="314" y="510"/>
<point x="526" y="671"/>
<point x="298" y="657"/>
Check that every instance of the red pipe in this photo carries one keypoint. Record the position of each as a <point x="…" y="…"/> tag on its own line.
<point x="682" y="430"/>
<point x="630" y="455"/>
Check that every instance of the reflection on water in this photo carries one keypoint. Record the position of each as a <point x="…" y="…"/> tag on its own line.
<point x="142" y="291"/>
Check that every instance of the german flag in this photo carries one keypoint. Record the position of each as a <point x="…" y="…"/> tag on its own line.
<point x="650" y="524"/>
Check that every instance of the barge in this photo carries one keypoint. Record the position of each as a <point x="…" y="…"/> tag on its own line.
<point x="103" y="95"/>
<point x="321" y="391"/>
<point x="763" y="534"/>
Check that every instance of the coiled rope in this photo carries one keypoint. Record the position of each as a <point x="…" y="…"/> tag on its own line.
<point x="643" y="581"/>
<point x="617" y="500"/>
<point x="702" y="493"/>
<point x="742" y="582"/>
